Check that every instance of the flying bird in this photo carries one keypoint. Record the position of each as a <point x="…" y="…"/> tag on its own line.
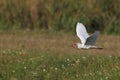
<point x="87" y="41"/>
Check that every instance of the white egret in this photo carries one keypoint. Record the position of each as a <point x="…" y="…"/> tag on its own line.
<point x="88" y="41"/>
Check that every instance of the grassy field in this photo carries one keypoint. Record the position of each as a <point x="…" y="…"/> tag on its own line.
<point x="60" y="15"/>
<point x="42" y="56"/>
<point x="26" y="54"/>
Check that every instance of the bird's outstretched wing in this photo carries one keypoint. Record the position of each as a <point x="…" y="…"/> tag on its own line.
<point x="81" y="32"/>
<point x="92" y="39"/>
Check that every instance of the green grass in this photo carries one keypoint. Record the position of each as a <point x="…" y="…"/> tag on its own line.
<point x="46" y="65"/>
<point x="50" y="56"/>
<point x="60" y="15"/>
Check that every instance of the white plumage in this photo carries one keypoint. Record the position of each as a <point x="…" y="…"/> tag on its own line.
<point x="88" y="41"/>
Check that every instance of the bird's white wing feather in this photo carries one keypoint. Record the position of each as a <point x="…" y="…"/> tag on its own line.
<point x="92" y="39"/>
<point x="81" y="32"/>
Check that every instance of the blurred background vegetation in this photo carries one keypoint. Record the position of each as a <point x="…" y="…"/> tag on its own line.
<point x="60" y="15"/>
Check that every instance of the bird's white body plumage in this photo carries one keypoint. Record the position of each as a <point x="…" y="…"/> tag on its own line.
<point x="87" y="40"/>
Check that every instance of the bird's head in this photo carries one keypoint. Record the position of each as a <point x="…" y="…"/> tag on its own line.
<point x="77" y="45"/>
